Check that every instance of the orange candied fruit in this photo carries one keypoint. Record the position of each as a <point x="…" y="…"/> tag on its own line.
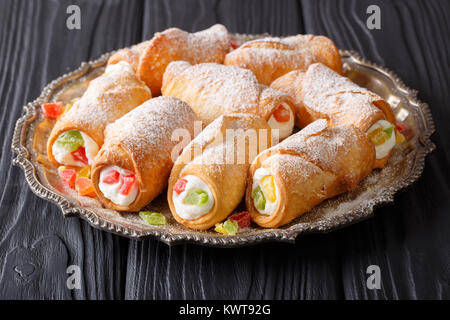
<point x="84" y="187"/>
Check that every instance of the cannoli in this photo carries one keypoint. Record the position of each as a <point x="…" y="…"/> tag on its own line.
<point x="213" y="90"/>
<point x="270" y="58"/>
<point x="78" y="133"/>
<point x="208" y="179"/>
<point x="150" y="58"/>
<point x="321" y="93"/>
<point x="134" y="163"/>
<point x="316" y="163"/>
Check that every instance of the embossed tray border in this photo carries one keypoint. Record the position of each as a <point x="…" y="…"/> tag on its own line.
<point x="365" y="211"/>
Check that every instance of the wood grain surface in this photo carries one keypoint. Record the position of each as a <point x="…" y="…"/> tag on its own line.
<point x="408" y="240"/>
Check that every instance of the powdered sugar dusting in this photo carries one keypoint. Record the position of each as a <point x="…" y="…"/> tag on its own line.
<point x="270" y="58"/>
<point x="149" y="127"/>
<point x="210" y="45"/>
<point x="236" y="89"/>
<point x="106" y="99"/>
<point x="326" y="92"/>
<point x="213" y="90"/>
<point x="204" y="45"/>
<point x="288" y="51"/>
<point x="216" y="148"/>
<point x="322" y="145"/>
<point x="292" y="166"/>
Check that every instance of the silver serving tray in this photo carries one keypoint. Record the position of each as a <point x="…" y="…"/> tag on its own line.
<point x="404" y="167"/>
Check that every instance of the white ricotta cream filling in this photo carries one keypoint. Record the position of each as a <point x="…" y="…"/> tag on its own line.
<point x="270" y="206"/>
<point x="111" y="191"/>
<point x="187" y="211"/>
<point x="285" y="128"/>
<point x="383" y="149"/>
<point x="65" y="157"/>
<point x="121" y="67"/>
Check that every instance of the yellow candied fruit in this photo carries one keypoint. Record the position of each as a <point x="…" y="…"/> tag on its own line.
<point x="400" y="138"/>
<point x="85" y="172"/>
<point x="220" y="229"/>
<point x="268" y="187"/>
<point x="378" y="136"/>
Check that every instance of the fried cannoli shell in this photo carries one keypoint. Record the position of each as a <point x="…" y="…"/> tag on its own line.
<point x="131" y="55"/>
<point x="213" y="90"/>
<point x="206" y="158"/>
<point x="321" y="93"/>
<point x="150" y="58"/>
<point x="310" y="166"/>
<point x="106" y="99"/>
<point x="141" y="142"/>
<point x="270" y="58"/>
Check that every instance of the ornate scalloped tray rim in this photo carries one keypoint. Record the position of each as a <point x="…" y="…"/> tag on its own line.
<point x="283" y="235"/>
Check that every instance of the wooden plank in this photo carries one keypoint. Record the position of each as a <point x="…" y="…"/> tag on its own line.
<point x="402" y="239"/>
<point x="36" y="242"/>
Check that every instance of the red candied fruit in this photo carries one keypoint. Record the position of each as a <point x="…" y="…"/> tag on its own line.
<point x="112" y="177"/>
<point x="80" y="155"/>
<point x="128" y="182"/>
<point x="180" y="186"/>
<point x="242" y="218"/>
<point x="281" y="114"/>
<point x="52" y="110"/>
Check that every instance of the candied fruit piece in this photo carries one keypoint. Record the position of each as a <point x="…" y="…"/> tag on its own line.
<point x="259" y="200"/>
<point x="80" y="155"/>
<point x="378" y="136"/>
<point x="67" y="175"/>
<point x="85" y="187"/>
<point x="242" y="218"/>
<point x="70" y="140"/>
<point x="229" y="227"/>
<point x="179" y="186"/>
<point x="281" y="114"/>
<point x="52" y="110"/>
<point x="268" y="187"/>
<point x="127" y="184"/>
<point x="85" y="172"/>
<point x="153" y="218"/>
<point x="389" y="131"/>
<point x="112" y="177"/>
<point x="196" y="197"/>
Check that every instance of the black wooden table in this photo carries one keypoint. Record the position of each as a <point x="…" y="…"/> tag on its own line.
<point x="409" y="240"/>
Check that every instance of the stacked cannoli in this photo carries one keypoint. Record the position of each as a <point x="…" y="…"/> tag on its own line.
<point x="126" y="144"/>
<point x="213" y="90"/>
<point x="79" y="132"/>
<point x="321" y="93"/>
<point x="208" y="179"/>
<point x="271" y="58"/>
<point x="134" y="163"/>
<point x="150" y="58"/>
<point x="316" y="163"/>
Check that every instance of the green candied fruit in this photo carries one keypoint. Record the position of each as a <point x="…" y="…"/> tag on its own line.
<point x="231" y="226"/>
<point x="70" y="140"/>
<point x="153" y="218"/>
<point x="259" y="200"/>
<point x="389" y="131"/>
<point x="196" y="197"/>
